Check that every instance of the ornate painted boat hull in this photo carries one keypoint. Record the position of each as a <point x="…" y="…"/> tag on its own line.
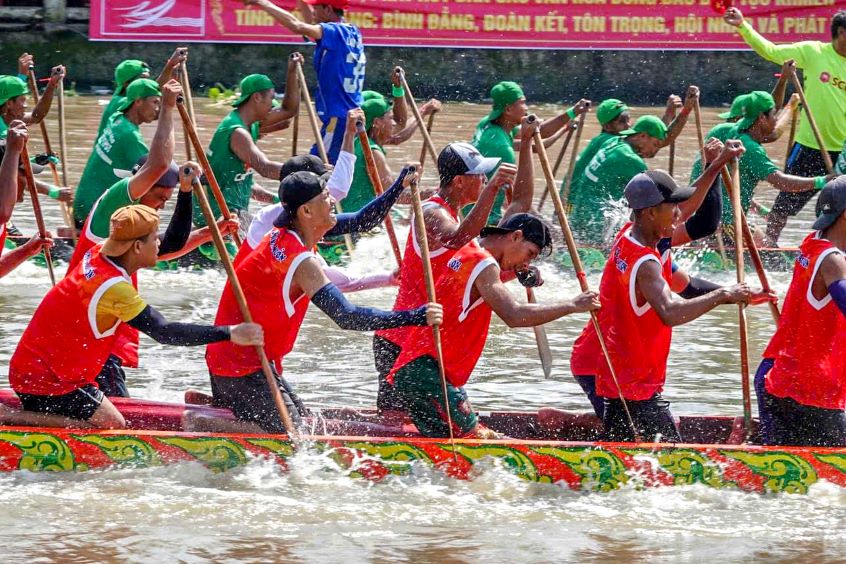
<point x="364" y="445"/>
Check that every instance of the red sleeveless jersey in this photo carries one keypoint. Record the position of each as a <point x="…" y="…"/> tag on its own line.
<point x="809" y="344"/>
<point x="465" y="327"/>
<point x="412" y="289"/>
<point x="266" y="275"/>
<point x="62" y="349"/>
<point x="126" y="344"/>
<point x="638" y="341"/>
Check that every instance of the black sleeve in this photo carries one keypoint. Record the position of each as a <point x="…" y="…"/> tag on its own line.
<point x="179" y="228"/>
<point x="698" y="287"/>
<point x="372" y="214"/>
<point x="357" y="318"/>
<point x="706" y="220"/>
<point x="152" y="323"/>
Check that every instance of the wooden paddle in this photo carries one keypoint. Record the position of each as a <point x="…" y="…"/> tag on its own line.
<point x="429" y="124"/>
<point x="577" y="261"/>
<point x="672" y="164"/>
<point x="700" y="137"/>
<point x="373" y="174"/>
<point x="797" y="84"/>
<point x="423" y="243"/>
<point x="318" y="140"/>
<point x="186" y="87"/>
<point x="791" y="137"/>
<point x="202" y="198"/>
<point x="36" y="208"/>
<point x="749" y="241"/>
<point x="571" y="166"/>
<point x="67" y="215"/>
<point x="572" y="129"/>
<point x="427" y="139"/>
<point x="544" y="352"/>
<point x="741" y="311"/>
<point x="204" y="163"/>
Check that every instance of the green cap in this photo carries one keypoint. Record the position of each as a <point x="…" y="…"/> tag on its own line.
<point x="374" y="108"/>
<point x="250" y="85"/>
<point x="736" y="109"/>
<point x="609" y="109"/>
<point x="127" y="71"/>
<point x="369" y="95"/>
<point x="504" y="94"/>
<point x="137" y="89"/>
<point x="650" y="125"/>
<point x="754" y="104"/>
<point x="11" y="87"/>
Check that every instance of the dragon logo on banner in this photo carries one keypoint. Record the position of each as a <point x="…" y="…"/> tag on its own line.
<point x="146" y="14"/>
<point x="153" y="17"/>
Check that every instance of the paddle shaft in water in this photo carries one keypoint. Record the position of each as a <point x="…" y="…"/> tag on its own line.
<point x="571" y="166"/>
<point x="577" y="264"/>
<point x="36" y="208"/>
<point x="423" y="243"/>
<point x="409" y="98"/>
<point x="318" y="140"/>
<point x="741" y="308"/>
<point x="797" y="84"/>
<point x="373" y="174"/>
<point x="749" y="241"/>
<point x="202" y="198"/>
<point x="541" y="339"/>
<point x="36" y="97"/>
<point x="700" y="137"/>
<point x="572" y="127"/>
<point x="204" y="163"/>
<point x="429" y="124"/>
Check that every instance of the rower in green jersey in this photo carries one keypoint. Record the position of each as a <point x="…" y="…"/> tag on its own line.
<point x="233" y="153"/>
<point x="613" y="116"/>
<point x="824" y="70"/>
<point x="119" y="147"/>
<point x="132" y="69"/>
<point x="495" y="135"/>
<point x="757" y="123"/>
<point x="605" y="177"/>
<point x="382" y="129"/>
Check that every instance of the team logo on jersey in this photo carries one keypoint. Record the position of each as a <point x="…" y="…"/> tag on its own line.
<point x="87" y="271"/>
<point x="278" y="254"/>
<point x="803" y="261"/>
<point x="454" y="264"/>
<point x="622" y="265"/>
<point x="825" y="77"/>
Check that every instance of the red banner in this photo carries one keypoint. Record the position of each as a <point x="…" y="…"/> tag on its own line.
<point x="524" y="24"/>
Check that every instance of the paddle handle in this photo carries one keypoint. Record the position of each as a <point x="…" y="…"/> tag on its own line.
<point x="797" y="84"/>
<point x="697" y="115"/>
<point x="409" y="98"/>
<point x="373" y="174"/>
<point x="188" y="153"/>
<point x="429" y="124"/>
<point x="244" y="308"/>
<point x="204" y="163"/>
<point x="571" y="166"/>
<point x="571" y="129"/>
<point x="791" y="137"/>
<point x="62" y="133"/>
<point x="312" y="115"/>
<point x="36" y="209"/>
<point x="671" y="165"/>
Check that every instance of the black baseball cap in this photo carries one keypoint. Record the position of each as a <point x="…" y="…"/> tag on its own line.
<point x="653" y="188"/>
<point x="458" y="159"/>
<point x="310" y="163"/>
<point x="535" y="230"/>
<point x="295" y="190"/>
<point x="831" y="203"/>
<point x="168" y="180"/>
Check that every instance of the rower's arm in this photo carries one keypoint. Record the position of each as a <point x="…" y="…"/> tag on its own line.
<point x="161" y="147"/>
<point x="783" y="119"/>
<point x="152" y="323"/>
<point x="677" y="125"/>
<point x="833" y="274"/>
<point x="12" y="258"/>
<point x="16" y="137"/>
<point x="179" y="229"/>
<point x="767" y="49"/>
<point x="516" y="314"/>
<point x="310" y="278"/>
<point x="289" y="20"/>
<point x="671" y="309"/>
<point x="524" y="184"/>
<point x="373" y="213"/>
<point x="399" y="109"/>
<point x="789" y="183"/>
<point x="245" y="149"/>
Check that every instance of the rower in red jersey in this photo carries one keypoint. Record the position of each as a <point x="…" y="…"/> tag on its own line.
<point x="801" y="383"/>
<point x="639" y="310"/>
<point x="462" y="171"/>
<point x="55" y="365"/>
<point x="279" y="278"/>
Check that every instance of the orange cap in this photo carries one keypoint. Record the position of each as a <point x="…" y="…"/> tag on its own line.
<point x="127" y="225"/>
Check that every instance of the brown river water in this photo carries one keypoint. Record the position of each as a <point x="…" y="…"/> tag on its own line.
<point x="315" y="513"/>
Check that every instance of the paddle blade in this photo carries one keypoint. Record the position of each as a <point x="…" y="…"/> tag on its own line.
<point x="543" y="350"/>
<point x="720" y="6"/>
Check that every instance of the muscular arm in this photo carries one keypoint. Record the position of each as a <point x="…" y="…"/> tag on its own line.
<point x="40" y="111"/>
<point x="671" y="309"/>
<point x="8" y="183"/>
<point x="441" y="227"/>
<point x="832" y="275"/>
<point x="152" y="323"/>
<point x="790" y="183"/>
<point x="524" y="184"/>
<point x="13" y="258"/>
<point x="289" y="20"/>
<point x="512" y="312"/>
<point x="158" y="161"/>
<point x="675" y="128"/>
<point x="245" y="149"/>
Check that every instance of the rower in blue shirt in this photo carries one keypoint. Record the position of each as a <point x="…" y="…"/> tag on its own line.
<point x="339" y="61"/>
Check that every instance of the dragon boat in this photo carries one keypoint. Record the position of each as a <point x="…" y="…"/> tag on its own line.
<point x="547" y="446"/>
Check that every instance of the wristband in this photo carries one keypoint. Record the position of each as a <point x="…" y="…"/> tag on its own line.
<point x="819" y="182"/>
<point x="397" y="91"/>
<point x="23" y="77"/>
<point x="571" y="112"/>
<point x="53" y="192"/>
<point x="276" y="199"/>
